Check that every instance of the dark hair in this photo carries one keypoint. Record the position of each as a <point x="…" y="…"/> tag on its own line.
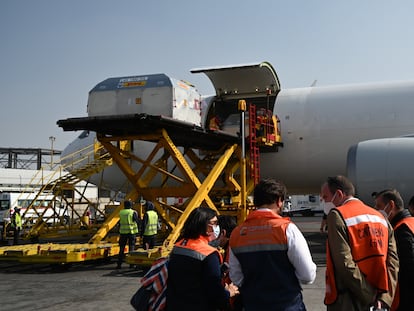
<point x="197" y="221"/>
<point x="411" y="202"/>
<point x="269" y="191"/>
<point x="149" y="206"/>
<point x="391" y="194"/>
<point x="228" y="223"/>
<point x="127" y="204"/>
<point x="342" y="183"/>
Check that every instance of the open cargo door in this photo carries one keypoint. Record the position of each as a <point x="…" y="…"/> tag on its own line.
<point x="243" y="81"/>
<point x="257" y="84"/>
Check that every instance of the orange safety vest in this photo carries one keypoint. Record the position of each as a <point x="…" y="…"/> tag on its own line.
<point x="197" y="248"/>
<point x="254" y="235"/>
<point x="409" y="222"/>
<point x="261" y="241"/>
<point x="368" y="240"/>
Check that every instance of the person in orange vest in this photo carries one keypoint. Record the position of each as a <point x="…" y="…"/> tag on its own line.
<point x="361" y="253"/>
<point x="215" y="123"/>
<point x="389" y="203"/>
<point x="194" y="275"/>
<point x="227" y="223"/>
<point x="269" y="257"/>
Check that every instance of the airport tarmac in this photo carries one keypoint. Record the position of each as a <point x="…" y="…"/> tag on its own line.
<point x="99" y="286"/>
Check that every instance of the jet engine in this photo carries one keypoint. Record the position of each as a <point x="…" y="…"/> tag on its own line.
<point x="378" y="164"/>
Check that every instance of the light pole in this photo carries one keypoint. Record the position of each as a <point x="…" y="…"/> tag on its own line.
<point x="52" y="139"/>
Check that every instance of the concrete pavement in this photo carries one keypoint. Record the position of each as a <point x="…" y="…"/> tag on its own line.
<point x="99" y="286"/>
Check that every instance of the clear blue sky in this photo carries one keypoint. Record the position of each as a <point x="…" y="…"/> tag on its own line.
<point x="52" y="53"/>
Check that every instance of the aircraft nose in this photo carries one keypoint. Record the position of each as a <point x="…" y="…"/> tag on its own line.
<point x="76" y="150"/>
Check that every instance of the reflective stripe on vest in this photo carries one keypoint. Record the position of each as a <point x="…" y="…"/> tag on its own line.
<point x="260" y="244"/>
<point x="127" y="222"/>
<point x="197" y="249"/>
<point x="152" y="224"/>
<point x="368" y="240"/>
<point x="253" y="236"/>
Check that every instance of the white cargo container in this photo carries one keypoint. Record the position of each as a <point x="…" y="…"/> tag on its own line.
<point x="155" y="94"/>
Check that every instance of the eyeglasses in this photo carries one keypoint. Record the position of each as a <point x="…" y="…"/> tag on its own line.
<point x="213" y="222"/>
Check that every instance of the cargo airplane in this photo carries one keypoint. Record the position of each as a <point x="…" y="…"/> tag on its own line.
<point x="364" y="131"/>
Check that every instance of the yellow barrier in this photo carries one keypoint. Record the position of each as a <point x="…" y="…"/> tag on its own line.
<point x="142" y="257"/>
<point x="58" y="253"/>
<point x="72" y="253"/>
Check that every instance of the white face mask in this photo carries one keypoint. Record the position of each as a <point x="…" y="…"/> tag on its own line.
<point x="216" y="231"/>
<point x="384" y="213"/>
<point x="327" y="206"/>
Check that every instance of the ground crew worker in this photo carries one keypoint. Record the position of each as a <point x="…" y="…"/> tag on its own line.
<point x="16" y="223"/>
<point x="361" y="253"/>
<point x="194" y="275"/>
<point x="215" y="123"/>
<point x="389" y="203"/>
<point x="128" y="229"/>
<point x="149" y="226"/>
<point x="269" y="256"/>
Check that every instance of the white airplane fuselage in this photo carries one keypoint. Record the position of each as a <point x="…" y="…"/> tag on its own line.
<point x="320" y="124"/>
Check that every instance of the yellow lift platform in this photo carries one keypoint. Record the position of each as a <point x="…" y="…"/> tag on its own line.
<point x="195" y="172"/>
<point x="201" y="167"/>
